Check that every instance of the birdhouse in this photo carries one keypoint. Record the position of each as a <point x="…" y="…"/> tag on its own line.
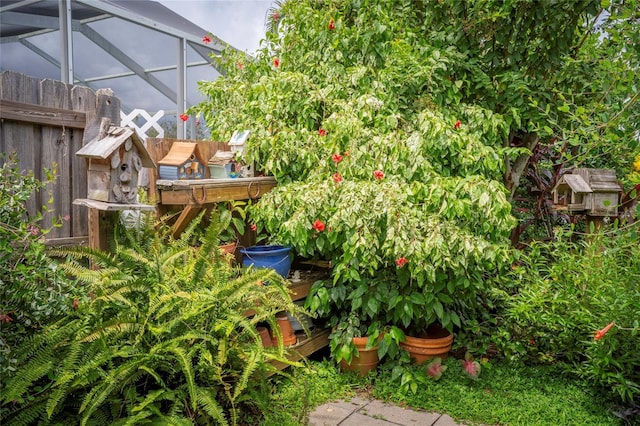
<point x="236" y="143"/>
<point x="595" y="192"/>
<point x="237" y="146"/>
<point x="115" y="158"/>
<point x="183" y="162"/>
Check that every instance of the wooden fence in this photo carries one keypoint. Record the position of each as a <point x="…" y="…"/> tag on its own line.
<point x="45" y="122"/>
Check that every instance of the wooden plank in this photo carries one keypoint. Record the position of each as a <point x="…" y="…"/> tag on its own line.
<point x="187" y="215"/>
<point x="318" y="340"/>
<point x="37" y="114"/>
<point x="64" y="242"/>
<point x="20" y="137"/>
<point x="82" y="99"/>
<point x="101" y="224"/>
<point x="54" y="149"/>
<point x="205" y="191"/>
<point x="101" y="205"/>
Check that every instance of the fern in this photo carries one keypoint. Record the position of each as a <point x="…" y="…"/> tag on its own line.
<point x="164" y="339"/>
<point x="206" y="400"/>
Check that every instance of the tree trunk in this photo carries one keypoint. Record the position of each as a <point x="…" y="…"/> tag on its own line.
<point x="514" y="171"/>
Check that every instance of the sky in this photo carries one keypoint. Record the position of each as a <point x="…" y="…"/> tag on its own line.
<point x="238" y="22"/>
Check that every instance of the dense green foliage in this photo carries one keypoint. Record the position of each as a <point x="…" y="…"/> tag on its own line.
<point x="401" y="131"/>
<point x="33" y="290"/>
<point x="563" y="292"/>
<point x="163" y="338"/>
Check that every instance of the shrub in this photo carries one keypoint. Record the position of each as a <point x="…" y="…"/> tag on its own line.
<point x="164" y="338"/>
<point x="33" y="290"/>
<point x="561" y="293"/>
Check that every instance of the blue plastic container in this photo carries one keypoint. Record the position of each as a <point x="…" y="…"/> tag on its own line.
<point x="274" y="257"/>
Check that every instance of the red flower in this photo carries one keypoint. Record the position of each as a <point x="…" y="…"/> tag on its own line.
<point x="332" y="25"/>
<point x="75" y="304"/>
<point x="276" y="62"/>
<point x="275" y="16"/>
<point x="184" y="117"/>
<point x="337" y="178"/>
<point x="378" y="174"/>
<point x="600" y="333"/>
<point x="254" y="227"/>
<point x="401" y="262"/>
<point x="197" y="122"/>
<point x="457" y="125"/>
<point x="318" y="225"/>
<point x="206" y="39"/>
<point x="336" y="158"/>
<point x="322" y="132"/>
<point x="239" y="65"/>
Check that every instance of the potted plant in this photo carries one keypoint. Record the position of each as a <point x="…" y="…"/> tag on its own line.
<point x="232" y="219"/>
<point x="356" y="314"/>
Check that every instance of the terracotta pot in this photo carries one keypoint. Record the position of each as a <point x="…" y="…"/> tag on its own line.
<point x="229" y="251"/>
<point x="435" y="343"/>
<point x="288" y="335"/>
<point x="365" y="361"/>
<point x="265" y="336"/>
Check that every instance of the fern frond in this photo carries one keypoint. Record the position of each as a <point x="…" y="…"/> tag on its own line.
<point x="25" y="414"/>
<point x="112" y="329"/>
<point x="207" y="400"/>
<point x="95" y="256"/>
<point x="19" y="384"/>
<point x="116" y="378"/>
<point x="185" y="362"/>
<point x="251" y="365"/>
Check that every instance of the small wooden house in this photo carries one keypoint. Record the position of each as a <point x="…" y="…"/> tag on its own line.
<point x="595" y="192"/>
<point x="115" y="158"/>
<point x="183" y="162"/>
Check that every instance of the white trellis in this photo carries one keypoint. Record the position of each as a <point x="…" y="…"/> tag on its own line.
<point x="149" y="121"/>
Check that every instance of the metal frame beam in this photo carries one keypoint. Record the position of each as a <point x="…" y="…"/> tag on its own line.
<point x="66" y="41"/>
<point x="127" y="61"/>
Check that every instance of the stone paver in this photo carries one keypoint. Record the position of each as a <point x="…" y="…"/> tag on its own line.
<point x="399" y="415"/>
<point x="358" y="411"/>
<point x="328" y="415"/>
<point x="446" y="420"/>
<point x="357" y="419"/>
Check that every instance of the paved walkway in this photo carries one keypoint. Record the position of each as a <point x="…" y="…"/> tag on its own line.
<point x="371" y="412"/>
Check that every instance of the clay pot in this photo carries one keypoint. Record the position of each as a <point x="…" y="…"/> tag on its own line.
<point x="288" y="335"/>
<point x="365" y="361"/>
<point x="229" y="251"/>
<point x="435" y="343"/>
<point x="265" y="336"/>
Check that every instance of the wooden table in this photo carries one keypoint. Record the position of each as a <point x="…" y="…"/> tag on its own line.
<point x="195" y="195"/>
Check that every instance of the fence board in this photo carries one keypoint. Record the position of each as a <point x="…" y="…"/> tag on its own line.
<point x="82" y="99"/>
<point x="45" y="124"/>
<point x="54" y="150"/>
<point x="20" y="137"/>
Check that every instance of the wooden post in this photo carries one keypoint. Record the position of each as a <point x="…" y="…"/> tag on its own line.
<point x="101" y="226"/>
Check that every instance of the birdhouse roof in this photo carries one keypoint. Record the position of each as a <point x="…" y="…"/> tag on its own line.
<point x="114" y="137"/>
<point x="239" y="138"/>
<point x="180" y="153"/>
<point x="576" y="183"/>
<point x="602" y="180"/>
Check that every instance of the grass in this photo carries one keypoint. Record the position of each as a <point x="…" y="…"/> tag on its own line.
<point x="504" y="394"/>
